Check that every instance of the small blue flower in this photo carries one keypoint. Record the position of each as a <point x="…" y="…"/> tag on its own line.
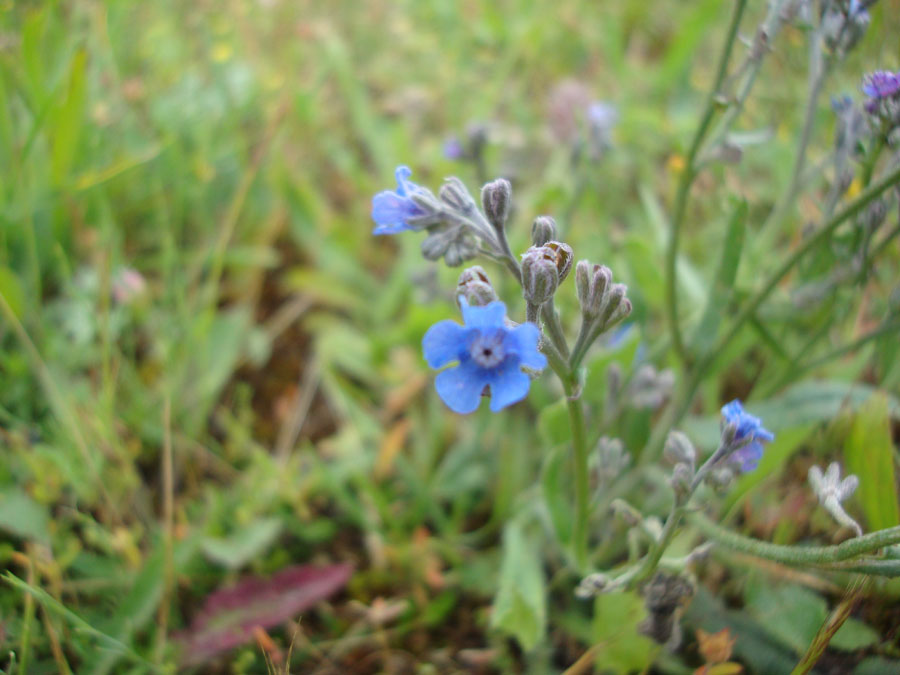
<point x="392" y="210"/>
<point x="748" y="427"/>
<point x="488" y="354"/>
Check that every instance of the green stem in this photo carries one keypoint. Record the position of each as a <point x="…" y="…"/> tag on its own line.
<point x="582" y="485"/>
<point x="654" y="555"/>
<point x="582" y="343"/>
<point x="554" y="328"/>
<point x="796" y="555"/>
<point x="687" y="180"/>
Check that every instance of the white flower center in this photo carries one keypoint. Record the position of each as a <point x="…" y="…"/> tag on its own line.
<point x="487" y="350"/>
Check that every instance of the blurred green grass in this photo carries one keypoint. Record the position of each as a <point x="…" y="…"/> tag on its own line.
<point x="228" y="153"/>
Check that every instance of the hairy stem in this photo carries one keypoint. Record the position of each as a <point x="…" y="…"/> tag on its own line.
<point x="795" y="555"/>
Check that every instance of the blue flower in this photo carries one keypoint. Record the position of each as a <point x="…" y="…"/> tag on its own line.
<point x="881" y="84"/>
<point x="488" y="354"/>
<point x="392" y="210"/>
<point x="749" y="432"/>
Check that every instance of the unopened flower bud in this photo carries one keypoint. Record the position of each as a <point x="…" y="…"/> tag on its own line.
<point x="455" y="195"/>
<point x="679" y="449"/>
<point x="475" y="286"/>
<point x="564" y="256"/>
<point x="540" y="277"/>
<point x="720" y="478"/>
<point x="591" y="284"/>
<point x="543" y="229"/>
<point x="613" y="301"/>
<point x="495" y="200"/>
<point x="435" y="245"/>
<point x="460" y="250"/>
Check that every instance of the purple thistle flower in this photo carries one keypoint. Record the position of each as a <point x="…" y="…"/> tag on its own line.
<point x="489" y="355"/>
<point x="392" y="210"/>
<point x="749" y="435"/>
<point x="881" y="84"/>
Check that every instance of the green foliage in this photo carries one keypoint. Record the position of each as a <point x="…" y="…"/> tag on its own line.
<point x="227" y="154"/>
<point x="520" y="606"/>
<point x="869" y="453"/>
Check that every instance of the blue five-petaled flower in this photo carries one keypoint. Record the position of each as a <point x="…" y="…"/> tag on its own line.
<point x="488" y="354"/>
<point x="748" y="427"/>
<point x="392" y="210"/>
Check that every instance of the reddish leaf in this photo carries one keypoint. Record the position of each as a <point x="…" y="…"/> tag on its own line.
<point x="230" y="616"/>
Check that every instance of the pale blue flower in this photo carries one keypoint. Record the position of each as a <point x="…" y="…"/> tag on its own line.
<point x="489" y="355"/>
<point x="392" y="210"/>
<point x="750" y="434"/>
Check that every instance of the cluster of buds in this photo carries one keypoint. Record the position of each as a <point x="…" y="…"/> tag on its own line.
<point x="831" y="491"/>
<point x="680" y="452"/>
<point x="603" y="303"/>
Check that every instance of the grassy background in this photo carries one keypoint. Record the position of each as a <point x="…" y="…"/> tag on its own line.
<point x="228" y="151"/>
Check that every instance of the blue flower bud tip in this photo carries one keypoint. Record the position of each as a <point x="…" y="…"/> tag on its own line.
<point x="749" y="430"/>
<point x="488" y="354"/>
<point x="392" y="210"/>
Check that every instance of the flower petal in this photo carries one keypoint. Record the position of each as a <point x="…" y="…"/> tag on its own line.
<point x="460" y="387"/>
<point x="508" y="384"/>
<point x="443" y="343"/>
<point x="748" y="457"/>
<point x="402" y="174"/>
<point x="390" y="212"/>
<point x="523" y="341"/>
<point x="488" y="316"/>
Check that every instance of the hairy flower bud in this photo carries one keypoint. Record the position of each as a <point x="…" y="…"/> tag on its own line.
<point x="679" y="449"/>
<point x="455" y="195"/>
<point x="475" y="286"/>
<point x="591" y="284"/>
<point x="681" y="479"/>
<point x="543" y="229"/>
<point x="495" y="200"/>
<point x="540" y="276"/>
<point x="563" y="255"/>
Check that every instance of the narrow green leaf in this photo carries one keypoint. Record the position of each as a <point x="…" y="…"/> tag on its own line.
<point x="868" y="452"/>
<point x="75" y="621"/>
<point x="723" y="282"/>
<point x="68" y="119"/>
<point x="520" y="605"/>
